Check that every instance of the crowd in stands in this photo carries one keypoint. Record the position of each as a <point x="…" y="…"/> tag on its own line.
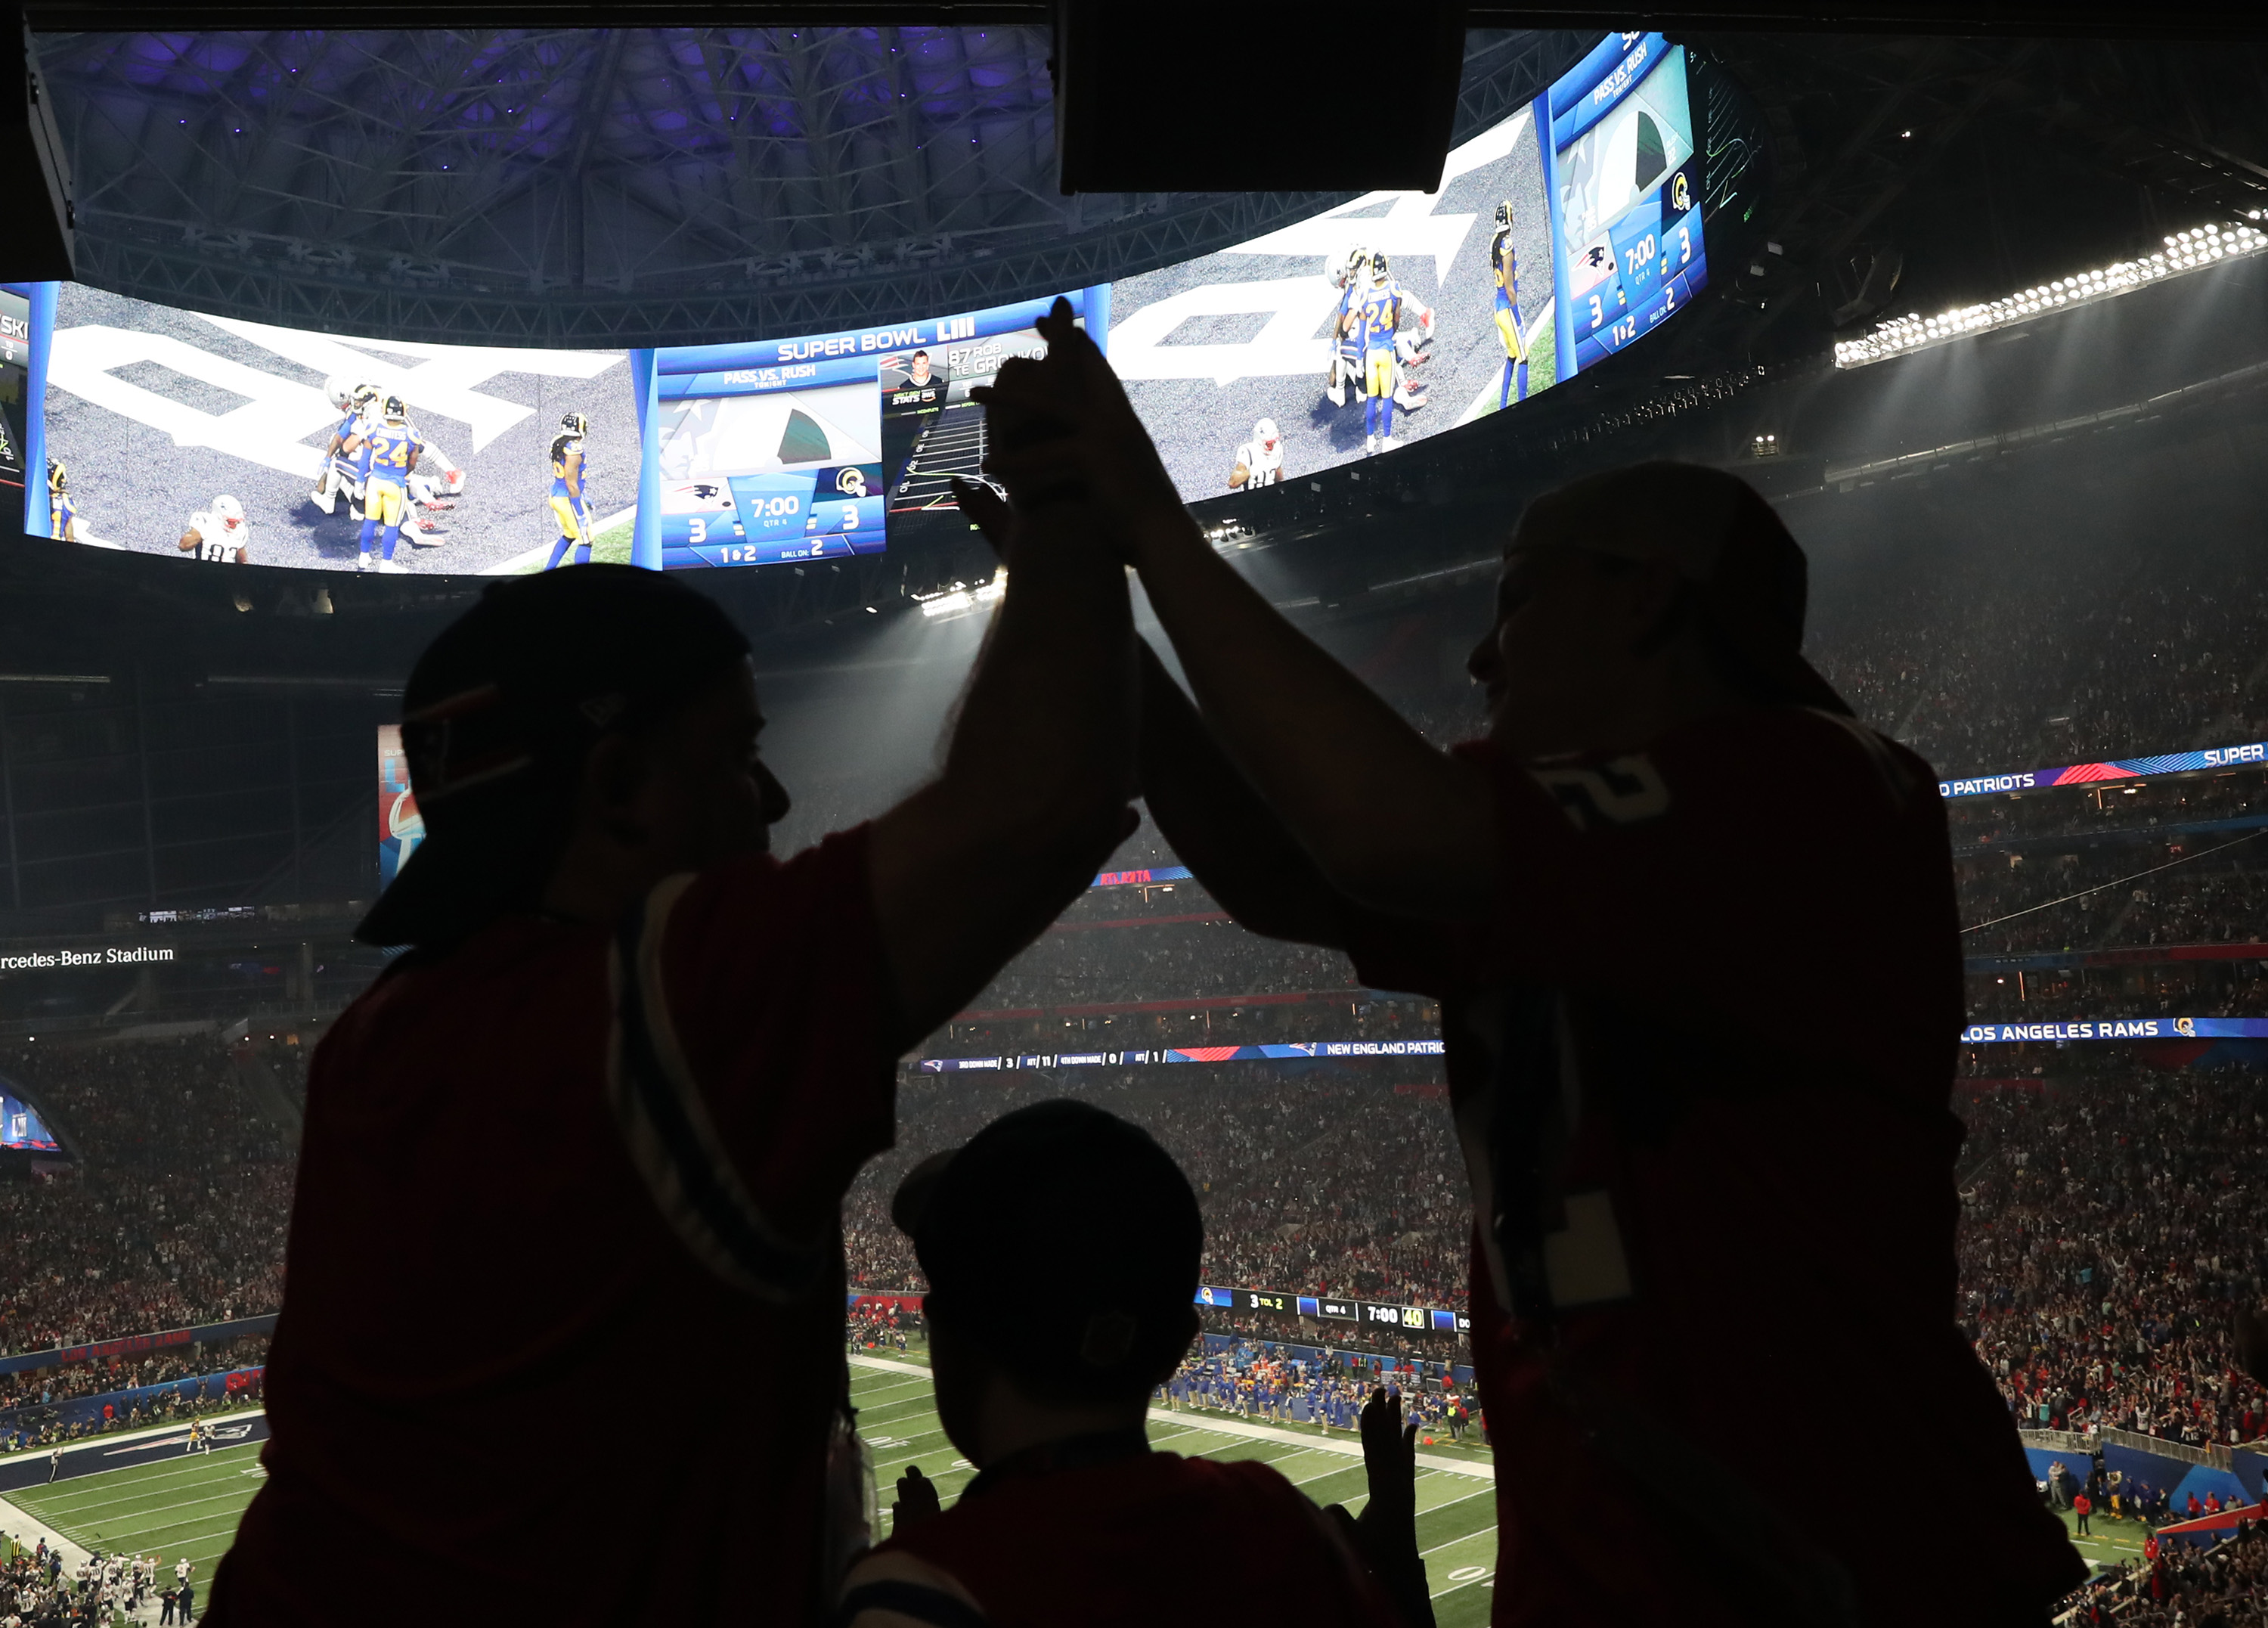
<point x="1372" y="1341"/>
<point x="2129" y="810"/>
<point x="2180" y="1585"/>
<point x="172" y="1214"/>
<point x="66" y="1382"/>
<point x="2064" y="652"/>
<point x="2106" y="899"/>
<point x="1329" y="1182"/>
<point x="1129" y="959"/>
<point x="2109" y="1231"/>
<point x="2199" y="989"/>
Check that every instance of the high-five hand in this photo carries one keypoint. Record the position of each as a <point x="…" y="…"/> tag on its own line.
<point x="1064" y="424"/>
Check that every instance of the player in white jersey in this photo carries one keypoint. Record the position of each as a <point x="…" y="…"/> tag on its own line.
<point x="428" y="492"/>
<point x="1408" y="345"/>
<point x="219" y="533"/>
<point x="355" y="402"/>
<point x="1346" y="353"/>
<point x="1260" y="461"/>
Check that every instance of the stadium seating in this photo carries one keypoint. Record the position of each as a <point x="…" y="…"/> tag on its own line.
<point x="2107" y="1238"/>
<point x="171" y="1216"/>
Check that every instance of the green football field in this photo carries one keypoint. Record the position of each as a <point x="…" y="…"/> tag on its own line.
<point x="186" y="1506"/>
<point x="191" y="1504"/>
<point x="1456" y="1512"/>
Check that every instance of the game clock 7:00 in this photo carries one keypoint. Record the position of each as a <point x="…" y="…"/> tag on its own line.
<point x="1641" y="272"/>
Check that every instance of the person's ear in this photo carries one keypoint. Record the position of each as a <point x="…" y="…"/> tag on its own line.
<point x="1654" y="601"/>
<point x="612" y="775"/>
<point x="1191" y="1326"/>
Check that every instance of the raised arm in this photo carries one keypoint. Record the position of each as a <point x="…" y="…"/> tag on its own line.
<point x="1219" y="827"/>
<point x="1213" y="820"/>
<point x="1390" y="821"/>
<point x="1033" y="798"/>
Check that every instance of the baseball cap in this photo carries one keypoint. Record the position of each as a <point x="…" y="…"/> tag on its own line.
<point x="499" y="714"/>
<point x="1059" y="1220"/>
<point x="1749" y="576"/>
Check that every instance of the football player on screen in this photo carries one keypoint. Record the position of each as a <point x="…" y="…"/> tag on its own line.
<point x="426" y="493"/>
<point x="219" y="533"/>
<point x="341" y="471"/>
<point x="1504" y="262"/>
<point x="1260" y="461"/>
<point x="63" y="513"/>
<point x="1346" y="344"/>
<point x="567" y="491"/>
<point x="1375" y="322"/>
<point x="387" y="450"/>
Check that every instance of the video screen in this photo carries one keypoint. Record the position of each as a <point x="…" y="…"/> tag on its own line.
<point x="818" y="447"/>
<point x="15" y="374"/>
<point x="1558" y="236"/>
<point x="21" y="1127"/>
<point x="1626" y="193"/>
<point x="400" y="828"/>
<point x="1376" y="323"/>
<point x="239" y="443"/>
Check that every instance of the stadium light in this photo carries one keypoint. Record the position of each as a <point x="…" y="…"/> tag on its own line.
<point x="960" y="598"/>
<point x="2184" y="252"/>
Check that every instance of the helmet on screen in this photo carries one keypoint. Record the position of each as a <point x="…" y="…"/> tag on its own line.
<point x="1378" y="266"/>
<point x="364" y="394"/>
<point x="228" y="511"/>
<point x="58" y="477"/>
<point x="575" y="423"/>
<point x="1349" y="269"/>
<point x="396" y="409"/>
<point x="340" y="390"/>
<point x="1264" y="432"/>
<point x="1504" y="213"/>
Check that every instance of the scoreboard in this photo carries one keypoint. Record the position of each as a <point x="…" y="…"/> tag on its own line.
<point x="816" y="447"/>
<point x="1371" y="1314"/>
<point x="1625" y="188"/>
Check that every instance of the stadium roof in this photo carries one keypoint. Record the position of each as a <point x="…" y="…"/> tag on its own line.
<point x="620" y="186"/>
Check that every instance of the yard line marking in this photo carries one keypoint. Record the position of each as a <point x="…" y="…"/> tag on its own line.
<point x="883" y="1365"/>
<point x="880" y="1390"/>
<point x="1350" y="1449"/>
<point x="1486" y="1531"/>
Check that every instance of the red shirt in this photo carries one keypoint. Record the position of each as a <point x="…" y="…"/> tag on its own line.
<point x="1701" y="1061"/>
<point x="503" y="1366"/>
<point x="1123" y="1545"/>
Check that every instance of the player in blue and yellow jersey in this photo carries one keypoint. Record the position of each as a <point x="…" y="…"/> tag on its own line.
<point x="1373" y="317"/>
<point x="385" y="451"/>
<point x="1504" y="263"/>
<point x="63" y="513"/>
<point x="567" y="491"/>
